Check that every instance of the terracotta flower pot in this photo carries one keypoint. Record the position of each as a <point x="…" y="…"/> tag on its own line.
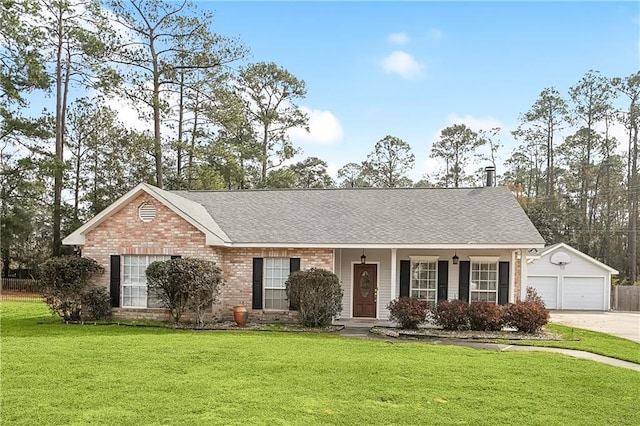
<point x="240" y="315"/>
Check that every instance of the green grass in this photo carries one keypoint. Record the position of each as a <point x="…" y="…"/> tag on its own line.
<point x="590" y="341"/>
<point x="74" y="375"/>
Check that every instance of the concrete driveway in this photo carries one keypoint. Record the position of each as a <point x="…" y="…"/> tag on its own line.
<point x="621" y="324"/>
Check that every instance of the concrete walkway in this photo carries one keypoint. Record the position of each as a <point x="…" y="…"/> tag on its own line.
<point x="363" y="333"/>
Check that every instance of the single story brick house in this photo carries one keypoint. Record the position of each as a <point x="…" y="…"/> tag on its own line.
<point x="430" y="243"/>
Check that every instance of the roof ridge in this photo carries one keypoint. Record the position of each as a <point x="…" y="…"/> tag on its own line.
<point x="358" y="189"/>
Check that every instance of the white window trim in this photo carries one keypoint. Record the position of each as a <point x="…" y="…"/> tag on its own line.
<point x="265" y="288"/>
<point x="425" y="259"/>
<point x="484" y="259"/>
<point x="488" y="260"/>
<point x="123" y="284"/>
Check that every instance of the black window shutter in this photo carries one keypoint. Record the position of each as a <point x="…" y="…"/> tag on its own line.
<point x="405" y="277"/>
<point x="175" y="257"/>
<point x="114" y="281"/>
<point x="257" y="283"/>
<point x="503" y="283"/>
<point x="294" y="265"/>
<point x="443" y="279"/>
<point x="463" y="280"/>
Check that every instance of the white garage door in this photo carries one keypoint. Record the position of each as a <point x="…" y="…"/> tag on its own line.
<point x="583" y="293"/>
<point x="547" y="288"/>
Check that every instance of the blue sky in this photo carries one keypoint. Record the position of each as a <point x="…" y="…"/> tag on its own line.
<point x="409" y="69"/>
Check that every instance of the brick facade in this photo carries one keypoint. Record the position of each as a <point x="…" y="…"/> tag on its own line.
<point x="124" y="233"/>
<point x="237" y="265"/>
<point x="517" y="277"/>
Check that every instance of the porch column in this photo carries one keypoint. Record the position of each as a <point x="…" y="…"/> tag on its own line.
<point x="523" y="274"/>
<point x="393" y="273"/>
<point x="512" y="278"/>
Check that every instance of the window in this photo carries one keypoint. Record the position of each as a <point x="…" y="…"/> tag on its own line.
<point x="424" y="280"/>
<point x="484" y="282"/>
<point x="276" y="272"/>
<point x="134" y="281"/>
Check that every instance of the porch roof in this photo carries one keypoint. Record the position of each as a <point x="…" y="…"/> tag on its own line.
<point x="360" y="216"/>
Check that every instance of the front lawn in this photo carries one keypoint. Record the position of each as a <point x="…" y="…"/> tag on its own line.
<point x="69" y="374"/>
<point x="590" y="341"/>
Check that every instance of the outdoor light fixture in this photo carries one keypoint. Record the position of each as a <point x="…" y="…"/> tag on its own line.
<point x="455" y="258"/>
<point x="363" y="258"/>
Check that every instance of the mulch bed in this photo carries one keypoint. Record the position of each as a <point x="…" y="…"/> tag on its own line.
<point x="435" y="333"/>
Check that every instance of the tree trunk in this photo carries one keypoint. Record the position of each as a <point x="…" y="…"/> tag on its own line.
<point x="157" y="137"/>
<point x="194" y="130"/>
<point x="265" y="142"/>
<point x="76" y="189"/>
<point x="180" y="125"/>
<point x="57" y="174"/>
<point x="634" y="188"/>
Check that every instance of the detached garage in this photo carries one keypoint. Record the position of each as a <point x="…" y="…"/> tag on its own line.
<point x="568" y="279"/>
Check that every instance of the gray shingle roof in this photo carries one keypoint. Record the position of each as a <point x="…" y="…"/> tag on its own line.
<point x="488" y="215"/>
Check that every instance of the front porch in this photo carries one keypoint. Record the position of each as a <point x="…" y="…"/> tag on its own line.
<point x="372" y="277"/>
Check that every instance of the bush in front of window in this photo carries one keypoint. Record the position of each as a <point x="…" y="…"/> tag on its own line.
<point x="185" y="283"/>
<point x="317" y="295"/>
<point x="526" y="316"/>
<point x="409" y="312"/>
<point x="65" y="282"/>
<point x="451" y="315"/>
<point x="485" y="316"/>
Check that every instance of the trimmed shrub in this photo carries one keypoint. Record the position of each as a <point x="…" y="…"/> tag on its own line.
<point x="96" y="304"/>
<point x="451" y="315"/>
<point x="527" y="317"/>
<point x="532" y="296"/>
<point x="409" y="312"/>
<point x="317" y="295"/>
<point x="485" y="316"/>
<point x="205" y="287"/>
<point x="65" y="281"/>
<point x="185" y="283"/>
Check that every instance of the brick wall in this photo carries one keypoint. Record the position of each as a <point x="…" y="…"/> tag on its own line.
<point x="238" y="272"/>
<point x="168" y="234"/>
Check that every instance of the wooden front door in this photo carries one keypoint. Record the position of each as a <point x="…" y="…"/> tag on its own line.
<point x="365" y="290"/>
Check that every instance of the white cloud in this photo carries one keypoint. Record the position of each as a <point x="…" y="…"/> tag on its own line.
<point x="618" y="131"/>
<point x="429" y="167"/>
<point x="403" y="64"/>
<point x="324" y="128"/>
<point x="474" y="123"/>
<point x="398" y="38"/>
<point x="332" y="169"/>
<point x="128" y="114"/>
<point x="435" y="34"/>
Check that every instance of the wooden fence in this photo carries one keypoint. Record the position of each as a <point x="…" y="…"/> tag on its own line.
<point x="625" y="297"/>
<point x="15" y="288"/>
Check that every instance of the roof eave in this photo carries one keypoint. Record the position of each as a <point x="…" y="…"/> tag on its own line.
<point x="356" y="245"/>
<point x="77" y="237"/>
